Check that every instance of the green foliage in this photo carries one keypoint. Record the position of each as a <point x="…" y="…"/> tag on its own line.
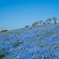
<point x="1" y="56"/>
<point x="17" y="34"/>
<point x="44" y="57"/>
<point x="1" y="34"/>
<point x="11" y="32"/>
<point x="56" y="37"/>
<point x="41" y="37"/>
<point x="16" y="44"/>
<point x="54" y="21"/>
<point x="30" y="28"/>
<point x="47" y="35"/>
<point x="57" y="26"/>
<point x="7" y="53"/>
<point x="35" y="39"/>
<point x="41" y="45"/>
<point x="11" y="43"/>
<point x="32" y="53"/>
<point x="56" y="47"/>
<point x="40" y="42"/>
<point x="53" y="38"/>
<point x="38" y="35"/>
<point x="3" y="51"/>
<point x="48" y="32"/>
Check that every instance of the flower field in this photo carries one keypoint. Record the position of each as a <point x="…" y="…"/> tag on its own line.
<point x="39" y="42"/>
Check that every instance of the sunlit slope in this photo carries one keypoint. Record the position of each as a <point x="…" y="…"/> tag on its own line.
<point x="33" y="42"/>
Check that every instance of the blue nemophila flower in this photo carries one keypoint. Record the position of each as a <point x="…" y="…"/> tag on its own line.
<point x="33" y="42"/>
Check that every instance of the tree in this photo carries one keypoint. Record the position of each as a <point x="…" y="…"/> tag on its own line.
<point x="54" y="18"/>
<point x="26" y="26"/>
<point x="3" y="30"/>
<point x="48" y="20"/>
<point x="35" y="24"/>
<point x="41" y="22"/>
<point x="44" y="23"/>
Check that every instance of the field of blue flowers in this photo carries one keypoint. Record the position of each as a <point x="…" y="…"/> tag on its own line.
<point x="39" y="42"/>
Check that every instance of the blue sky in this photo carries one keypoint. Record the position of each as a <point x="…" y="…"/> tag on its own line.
<point x="15" y="14"/>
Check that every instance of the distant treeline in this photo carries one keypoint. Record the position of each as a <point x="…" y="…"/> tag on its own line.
<point x="48" y="21"/>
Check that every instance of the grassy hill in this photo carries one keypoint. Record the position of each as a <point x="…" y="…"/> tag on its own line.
<point x="40" y="42"/>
